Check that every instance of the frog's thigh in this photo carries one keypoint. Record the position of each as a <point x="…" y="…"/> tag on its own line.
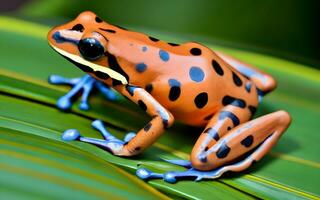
<point x="265" y="130"/>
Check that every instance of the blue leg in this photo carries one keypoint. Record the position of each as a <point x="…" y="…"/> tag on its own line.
<point x="85" y="85"/>
<point x="109" y="143"/>
<point x="198" y="175"/>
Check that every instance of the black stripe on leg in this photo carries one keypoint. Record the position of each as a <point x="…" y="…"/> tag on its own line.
<point x="230" y="115"/>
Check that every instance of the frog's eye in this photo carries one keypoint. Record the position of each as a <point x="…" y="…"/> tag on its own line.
<point x="90" y="48"/>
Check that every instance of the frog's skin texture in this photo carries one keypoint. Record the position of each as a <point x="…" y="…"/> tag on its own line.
<point x="187" y="82"/>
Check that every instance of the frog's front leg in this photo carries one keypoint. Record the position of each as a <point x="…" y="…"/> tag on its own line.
<point x="133" y="144"/>
<point x="213" y="156"/>
<point x="83" y="84"/>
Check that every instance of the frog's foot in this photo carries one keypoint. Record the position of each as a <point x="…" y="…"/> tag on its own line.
<point x="109" y="143"/>
<point x="191" y="173"/>
<point x="85" y="85"/>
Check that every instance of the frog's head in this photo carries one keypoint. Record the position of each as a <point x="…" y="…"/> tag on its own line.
<point x="80" y="42"/>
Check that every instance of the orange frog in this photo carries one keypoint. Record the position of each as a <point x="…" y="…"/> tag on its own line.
<point x="187" y="82"/>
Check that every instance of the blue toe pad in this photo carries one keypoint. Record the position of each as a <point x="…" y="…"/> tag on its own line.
<point x="71" y="134"/>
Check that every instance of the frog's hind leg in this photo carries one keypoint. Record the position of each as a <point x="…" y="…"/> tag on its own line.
<point x="264" y="82"/>
<point x="257" y="136"/>
<point x="83" y="84"/>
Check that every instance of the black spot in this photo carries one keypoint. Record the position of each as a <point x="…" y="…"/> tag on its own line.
<point x="173" y="44"/>
<point x="142" y="105"/>
<point x="252" y="110"/>
<point x="116" y="82"/>
<point x="206" y="149"/>
<point x="101" y="75"/>
<point x="230" y="115"/>
<point x="108" y="30"/>
<point x="175" y="89"/>
<point x="137" y="148"/>
<point x="247" y="142"/>
<point x="195" y="51"/>
<point x="236" y="79"/>
<point x="153" y="39"/>
<point x="147" y="127"/>
<point x="223" y="151"/>
<point x="229" y="128"/>
<point x="228" y="100"/>
<point x="201" y="100"/>
<point x="217" y="67"/>
<point x="78" y="27"/>
<point x="248" y="86"/>
<point x="208" y="117"/>
<point x="131" y="89"/>
<point x="149" y="87"/>
<point x="196" y="74"/>
<point x="114" y="65"/>
<point x="98" y="20"/>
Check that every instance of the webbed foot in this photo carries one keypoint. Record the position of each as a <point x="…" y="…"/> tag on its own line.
<point x="109" y="143"/>
<point x="83" y="84"/>
<point x="190" y="173"/>
<point x="174" y="176"/>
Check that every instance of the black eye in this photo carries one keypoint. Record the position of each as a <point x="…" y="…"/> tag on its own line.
<point x="90" y="48"/>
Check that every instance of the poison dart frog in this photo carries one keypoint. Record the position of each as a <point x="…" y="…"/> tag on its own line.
<point x="186" y="82"/>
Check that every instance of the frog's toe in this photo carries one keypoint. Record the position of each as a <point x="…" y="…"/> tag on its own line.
<point x="146" y="174"/>
<point x="70" y="135"/>
<point x="64" y="103"/>
<point x="60" y="80"/>
<point x="84" y="105"/>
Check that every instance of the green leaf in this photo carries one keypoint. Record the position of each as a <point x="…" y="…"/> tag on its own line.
<point x="291" y="170"/>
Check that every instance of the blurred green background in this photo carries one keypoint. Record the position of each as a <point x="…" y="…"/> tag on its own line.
<point x="31" y="126"/>
<point x="287" y="28"/>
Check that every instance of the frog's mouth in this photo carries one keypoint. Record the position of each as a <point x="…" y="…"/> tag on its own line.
<point x="90" y="67"/>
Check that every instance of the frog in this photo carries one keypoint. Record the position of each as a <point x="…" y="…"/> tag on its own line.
<point x="189" y="83"/>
